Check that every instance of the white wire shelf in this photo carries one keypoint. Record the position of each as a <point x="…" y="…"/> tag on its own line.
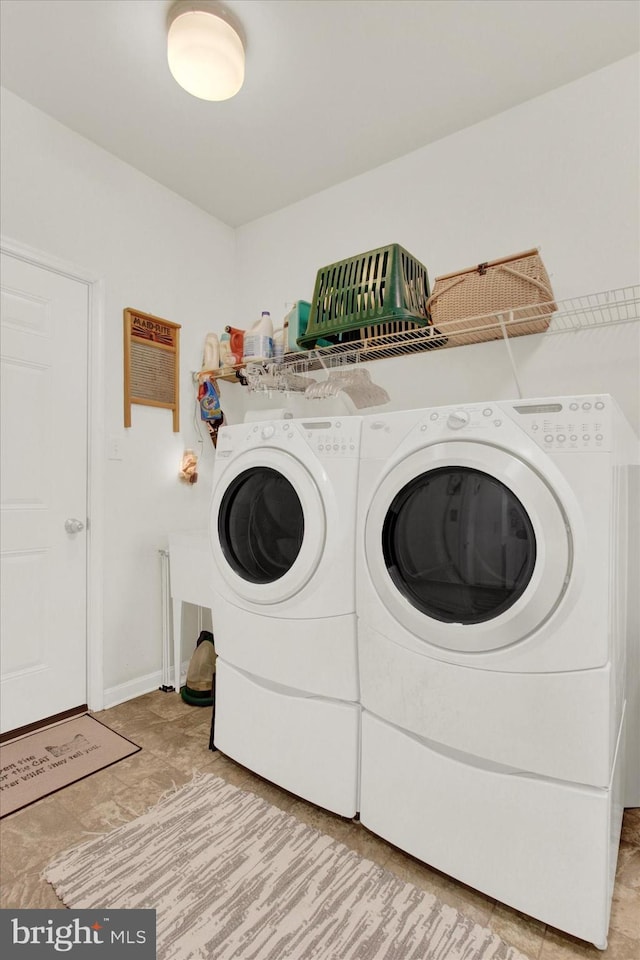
<point x="597" y="310"/>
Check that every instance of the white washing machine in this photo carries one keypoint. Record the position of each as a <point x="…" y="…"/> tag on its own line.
<point x="282" y="529"/>
<point x="491" y="593"/>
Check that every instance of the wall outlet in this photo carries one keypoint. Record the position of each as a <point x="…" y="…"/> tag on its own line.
<point x="114" y="448"/>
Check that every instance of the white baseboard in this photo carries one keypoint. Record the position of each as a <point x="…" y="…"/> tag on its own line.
<point x="136" y="688"/>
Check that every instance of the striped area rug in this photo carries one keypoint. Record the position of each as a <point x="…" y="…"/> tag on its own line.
<point x="232" y="876"/>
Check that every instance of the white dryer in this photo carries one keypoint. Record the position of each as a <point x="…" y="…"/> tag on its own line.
<point x="491" y="592"/>
<point x="282" y="529"/>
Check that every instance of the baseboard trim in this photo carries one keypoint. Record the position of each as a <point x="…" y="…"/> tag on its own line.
<point x="138" y="687"/>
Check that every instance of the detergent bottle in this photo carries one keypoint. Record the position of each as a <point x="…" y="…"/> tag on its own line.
<point x="258" y="340"/>
<point x="211" y="357"/>
<point x="236" y="338"/>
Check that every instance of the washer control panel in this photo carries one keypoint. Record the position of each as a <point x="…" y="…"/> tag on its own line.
<point x="331" y="437"/>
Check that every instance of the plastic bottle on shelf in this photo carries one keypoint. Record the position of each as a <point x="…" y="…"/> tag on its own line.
<point x="226" y="356"/>
<point x="236" y="337"/>
<point x="258" y="340"/>
<point x="211" y="357"/>
<point x="279" y="340"/>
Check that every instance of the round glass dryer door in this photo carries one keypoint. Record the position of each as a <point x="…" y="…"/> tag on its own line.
<point x="261" y="525"/>
<point x="268" y="526"/>
<point x="459" y="545"/>
<point x="468" y="546"/>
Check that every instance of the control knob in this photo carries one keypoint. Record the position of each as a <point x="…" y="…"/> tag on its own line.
<point x="268" y="432"/>
<point x="458" y="419"/>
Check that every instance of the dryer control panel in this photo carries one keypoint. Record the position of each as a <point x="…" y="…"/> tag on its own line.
<point x="583" y="423"/>
<point x="567" y="423"/>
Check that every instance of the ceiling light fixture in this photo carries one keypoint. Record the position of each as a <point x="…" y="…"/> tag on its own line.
<point x="205" y="49"/>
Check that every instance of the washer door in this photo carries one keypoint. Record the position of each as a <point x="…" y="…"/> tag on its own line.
<point x="267" y="526"/>
<point x="467" y="546"/>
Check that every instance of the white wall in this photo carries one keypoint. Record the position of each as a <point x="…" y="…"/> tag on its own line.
<point x="158" y="253"/>
<point x="559" y="172"/>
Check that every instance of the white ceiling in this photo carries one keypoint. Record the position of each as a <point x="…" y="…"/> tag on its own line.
<point x="333" y="87"/>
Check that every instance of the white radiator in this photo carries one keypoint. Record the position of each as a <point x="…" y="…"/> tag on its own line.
<point x="166" y="684"/>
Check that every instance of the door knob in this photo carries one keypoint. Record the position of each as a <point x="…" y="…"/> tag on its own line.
<point x="73" y="526"/>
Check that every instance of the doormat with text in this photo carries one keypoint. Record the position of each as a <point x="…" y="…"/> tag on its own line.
<point x="45" y="761"/>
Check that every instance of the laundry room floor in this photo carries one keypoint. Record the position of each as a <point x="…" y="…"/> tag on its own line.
<point x="174" y="738"/>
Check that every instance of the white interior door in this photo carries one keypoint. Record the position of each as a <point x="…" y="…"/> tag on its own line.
<point x="44" y="328"/>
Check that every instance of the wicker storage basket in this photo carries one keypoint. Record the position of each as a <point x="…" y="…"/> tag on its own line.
<point x="383" y="286"/>
<point x="464" y="305"/>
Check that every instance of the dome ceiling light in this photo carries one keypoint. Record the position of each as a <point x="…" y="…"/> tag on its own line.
<point x="205" y="49"/>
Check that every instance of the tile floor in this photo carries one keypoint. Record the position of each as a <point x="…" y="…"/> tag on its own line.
<point x="175" y="739"/>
